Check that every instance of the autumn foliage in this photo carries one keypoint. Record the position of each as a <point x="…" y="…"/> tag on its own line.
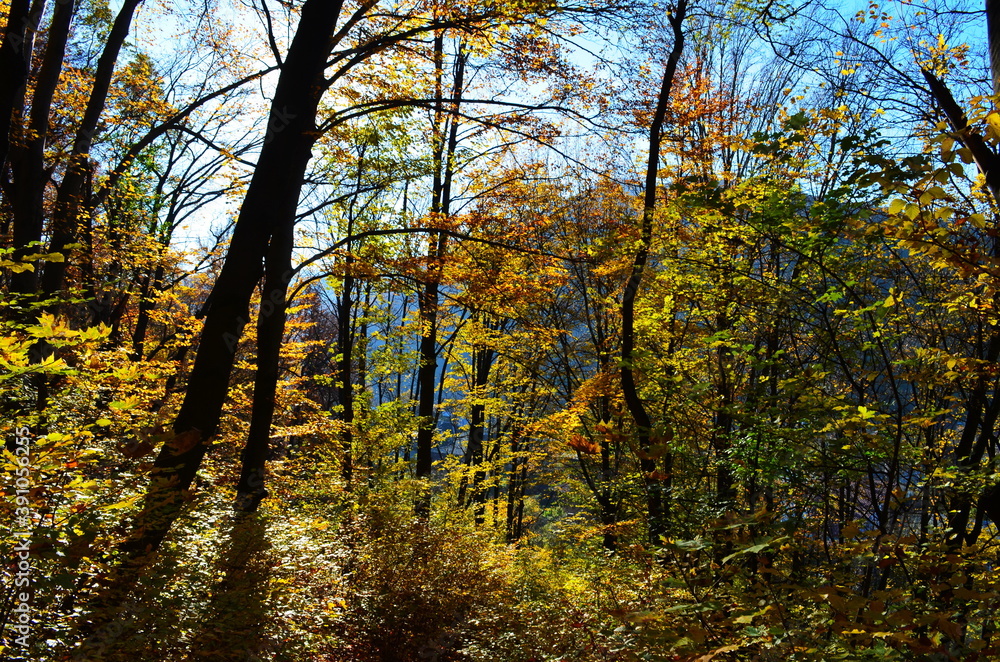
<point x="518" y="331"/>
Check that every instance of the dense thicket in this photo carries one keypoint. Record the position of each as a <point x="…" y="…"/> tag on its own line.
<point x="367" y="330"/>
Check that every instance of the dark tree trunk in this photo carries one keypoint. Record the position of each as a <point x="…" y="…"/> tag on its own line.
<point x="268" y="209"/>
<point x="607" y="500"/>
<point x="150" y="287"/>
<point x="345" y="351"/>
<point x="655" y="485"/>
<point x="69" y="201"/>
<point x="427" y="300"/>
<point x="482" y="361"/>
<point x="993" y="34"/>
<point x="345" y="347"/>
<point x="515" y="489"/>
<point x="250" y="490"/>
<point x="722" y="431"/>
<point x="15" y="59"/>
<point x="29" y="174"/>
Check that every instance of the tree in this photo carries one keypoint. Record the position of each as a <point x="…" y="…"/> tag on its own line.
<point x="644" y="425"/>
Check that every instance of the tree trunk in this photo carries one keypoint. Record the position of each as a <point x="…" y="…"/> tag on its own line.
<point x="428" y="299"/>
<point x="29" y="174"/>
<point x="15" y="60"/>
<point x="150" y="287"/>
<point x="515" y="488"/>
<point x="654" y="486"/>
<point x="993" y="34"/>
<point x="268" y="209"/>
<point x="427" y="371"/>
<point x="482" y="361"/>
<point x="250" y="490"/>
<point x="65" y="220"/>
<point x="345" y="351"/>
<point x="722" y="431"/>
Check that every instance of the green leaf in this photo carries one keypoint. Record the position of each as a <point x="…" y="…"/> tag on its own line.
<point x="753" y="549"/>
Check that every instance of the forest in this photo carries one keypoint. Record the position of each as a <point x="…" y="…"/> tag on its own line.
<point x="499" y="330"/>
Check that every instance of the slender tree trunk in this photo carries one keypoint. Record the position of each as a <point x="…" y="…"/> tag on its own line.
<point x="345" y="352"/>
<point x="250" y="490"/>
<point x="69" y="200"/>
<point x="519" y="519"/>
<point x="427" y="300"/>
<point x="482" y="361"/>
<point x="514" y="491"/>
<point x="607" y="498"/>
<point x="722" y="431"/>
<point x="150" y="286"/>
<point x="345" y="349"/>
<point x="654" y="486"/>
<point x="28" y="170"/>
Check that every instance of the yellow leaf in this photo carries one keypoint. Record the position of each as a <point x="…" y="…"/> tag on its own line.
<point x="121" y="504"/>
<point x="850" y="530"/>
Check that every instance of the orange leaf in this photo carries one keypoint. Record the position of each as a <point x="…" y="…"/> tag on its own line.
<point x="583" y="445"/>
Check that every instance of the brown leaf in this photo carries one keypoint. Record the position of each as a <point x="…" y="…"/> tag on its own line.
<point x="137" y="449"/>
<point x="583" y="445"/>
<point x="950" y="628"/>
